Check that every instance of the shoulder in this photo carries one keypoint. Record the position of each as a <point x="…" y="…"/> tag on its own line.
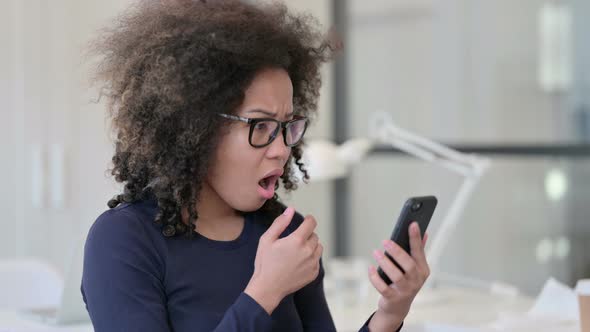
<point x="125" y="229"/>
<point x="125" y="218"/>
<point x="125" y="239"/>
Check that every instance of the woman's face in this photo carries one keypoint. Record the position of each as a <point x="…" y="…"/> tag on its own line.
<point x="242" y="176"/>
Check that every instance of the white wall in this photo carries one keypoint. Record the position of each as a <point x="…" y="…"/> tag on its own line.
<point x="316" y="198"/>
<point x="46" y="103"/>
<point x="458" y="71"/>
<point x="8" y="134"/>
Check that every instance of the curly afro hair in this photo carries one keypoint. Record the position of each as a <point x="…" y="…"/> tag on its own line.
<point x="167" y="70"/>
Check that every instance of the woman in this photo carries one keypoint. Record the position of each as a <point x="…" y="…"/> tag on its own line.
<point x="209" y="101"/>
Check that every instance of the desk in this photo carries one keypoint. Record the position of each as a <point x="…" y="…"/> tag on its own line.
<point x="13" y="322"/>
<point x="448" y="306"/>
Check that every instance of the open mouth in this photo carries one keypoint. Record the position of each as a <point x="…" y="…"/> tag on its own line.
<point x="266" y="186"/>
<point x="268" y="182"/>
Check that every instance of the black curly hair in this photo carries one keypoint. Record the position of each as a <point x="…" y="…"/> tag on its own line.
<point x="167" y="70"/>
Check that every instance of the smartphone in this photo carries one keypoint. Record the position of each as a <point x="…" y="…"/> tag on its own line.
<point x="419" y="209"/>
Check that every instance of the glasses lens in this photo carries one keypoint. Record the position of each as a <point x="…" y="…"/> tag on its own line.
<point x="263" y="132"/>
<point x="295" y="131"/>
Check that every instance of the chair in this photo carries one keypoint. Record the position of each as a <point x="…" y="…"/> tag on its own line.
<point x="29" y="283"/>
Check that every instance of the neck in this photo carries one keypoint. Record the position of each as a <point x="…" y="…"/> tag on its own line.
<point x="213" y="208"/>
<point x="217" y="220"/>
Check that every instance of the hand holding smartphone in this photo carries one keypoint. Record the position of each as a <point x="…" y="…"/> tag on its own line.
<point x="419" y="209"/>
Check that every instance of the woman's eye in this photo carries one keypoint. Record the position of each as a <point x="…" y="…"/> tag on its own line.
<point x="261" y="126"/>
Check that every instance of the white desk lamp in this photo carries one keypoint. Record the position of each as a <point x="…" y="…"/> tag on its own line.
<point x="326" y="161"/>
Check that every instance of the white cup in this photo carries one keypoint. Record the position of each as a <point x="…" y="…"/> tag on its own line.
<point x="583" y="291"/>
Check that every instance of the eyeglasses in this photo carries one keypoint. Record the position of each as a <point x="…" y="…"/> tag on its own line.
<point x="264" y="131"/>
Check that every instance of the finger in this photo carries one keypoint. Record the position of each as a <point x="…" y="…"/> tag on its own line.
<point x="307" y="227"/>
<point x="392" y="271"/>
<point x="313" y="241"/>
<point x="279" y="224"/>
<point x="406" y="261"/>
<point x="317" y="260"/>
<point x="318" y="252"/>
<point x="417" y="249"/>
<point x="379" y="284"/>
<point x="425" y="269"/>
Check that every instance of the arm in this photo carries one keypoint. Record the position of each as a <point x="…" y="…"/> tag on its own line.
<point x="123" y="288"/>
<point x="245" y="315"/>
<point x="375" y="319"/>
<point x="312" y="306"/>
<point x="122" y="277"/>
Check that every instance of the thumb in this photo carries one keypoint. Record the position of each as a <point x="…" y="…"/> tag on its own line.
<point x="279" y="224"/>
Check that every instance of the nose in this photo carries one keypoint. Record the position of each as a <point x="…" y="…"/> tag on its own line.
<point x="277" y="149"/>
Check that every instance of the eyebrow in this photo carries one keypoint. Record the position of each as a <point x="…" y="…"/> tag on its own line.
<point x="267" y="113"/>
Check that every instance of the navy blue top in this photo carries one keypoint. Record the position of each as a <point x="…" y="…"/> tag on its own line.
<point x="135" y="279"/>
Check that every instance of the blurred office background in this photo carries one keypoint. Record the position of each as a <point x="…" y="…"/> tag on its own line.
<point x="507" y="79"/>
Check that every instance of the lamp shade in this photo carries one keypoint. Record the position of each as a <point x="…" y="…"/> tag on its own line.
<point x="325" y="160"/>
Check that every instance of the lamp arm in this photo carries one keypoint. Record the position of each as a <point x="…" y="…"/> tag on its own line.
<point x="449" y="223"/>
<point x="437" y="150"/>
<point x="383" y="129"/>
<point x="471" y="167"/>
<point x="434" y="152"/>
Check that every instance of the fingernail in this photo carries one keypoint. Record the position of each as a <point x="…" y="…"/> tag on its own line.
<point x="415" y="227"/>
<point x="387" y="244"/>
<point x="287" y="211"/>
<point x="377" y="254"/>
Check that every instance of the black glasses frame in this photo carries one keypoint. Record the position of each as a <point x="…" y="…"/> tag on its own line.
<point x="282" y="125"/>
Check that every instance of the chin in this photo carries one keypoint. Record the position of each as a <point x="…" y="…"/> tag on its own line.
<point x="258" y="205"/>
<point x="250" y="206"/>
